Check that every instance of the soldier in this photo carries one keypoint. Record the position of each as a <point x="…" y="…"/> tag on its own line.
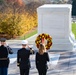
<point x="4" y="59"/>
<point x="23" y="55"/>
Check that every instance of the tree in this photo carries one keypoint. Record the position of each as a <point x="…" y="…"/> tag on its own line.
<point x="1" y="2"/>
<point x="31" y="7"/>
<point x="74" y="8"/>
<point x="16" y="20"/>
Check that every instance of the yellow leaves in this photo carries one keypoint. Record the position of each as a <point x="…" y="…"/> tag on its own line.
<point x="17" y="24"/>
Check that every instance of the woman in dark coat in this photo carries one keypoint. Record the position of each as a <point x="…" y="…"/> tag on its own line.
<point x="41" y="60"/>
<point x="4" y="59"/>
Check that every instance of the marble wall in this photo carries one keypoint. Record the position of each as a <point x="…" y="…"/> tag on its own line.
<point x="55" y="20"/>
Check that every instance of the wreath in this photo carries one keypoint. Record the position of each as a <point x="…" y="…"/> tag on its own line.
<point x="40" y="39"/>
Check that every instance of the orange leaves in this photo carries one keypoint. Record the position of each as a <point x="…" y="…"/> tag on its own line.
<point x="20" y="2"/>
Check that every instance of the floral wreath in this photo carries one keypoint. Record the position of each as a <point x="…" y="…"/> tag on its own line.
<point x="40" y="39"/>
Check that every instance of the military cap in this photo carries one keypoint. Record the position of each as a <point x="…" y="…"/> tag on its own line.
<point x="3" y="39"/>
<point x="24" y="42"/>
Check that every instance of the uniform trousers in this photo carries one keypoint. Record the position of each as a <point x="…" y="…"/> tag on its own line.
<point x="24" y="71"/>
<point x="42" y="71"/>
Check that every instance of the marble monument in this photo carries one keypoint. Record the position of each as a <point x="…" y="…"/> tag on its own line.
<point x="55" y="20"/>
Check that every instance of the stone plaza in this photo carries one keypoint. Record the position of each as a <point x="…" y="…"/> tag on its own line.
<point x="65" y="64"/>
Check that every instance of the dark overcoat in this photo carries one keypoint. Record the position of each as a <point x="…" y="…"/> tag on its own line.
<point x="4" y="59"/>
<point x="23" y="58"/>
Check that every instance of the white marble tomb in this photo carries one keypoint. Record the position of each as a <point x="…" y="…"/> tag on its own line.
<point x="55" y="20"/>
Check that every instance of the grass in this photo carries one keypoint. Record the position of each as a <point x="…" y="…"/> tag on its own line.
<point x="31" y="33"/>
<point x="74" y="29"/>
<point x="28" y="35"/>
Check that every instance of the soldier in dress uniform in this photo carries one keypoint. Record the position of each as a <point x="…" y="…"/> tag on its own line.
<point x="23" y="55"/>
<point x="4" y="59"/>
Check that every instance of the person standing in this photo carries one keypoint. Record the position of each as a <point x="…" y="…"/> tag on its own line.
<point x="41" y="60"/>
<point x="23" y="55"/>
<point x="4" y="59"/>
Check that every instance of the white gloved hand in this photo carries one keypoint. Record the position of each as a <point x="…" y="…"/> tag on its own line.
<point x="6" y="44"/>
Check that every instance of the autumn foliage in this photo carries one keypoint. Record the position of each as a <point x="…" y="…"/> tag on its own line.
<point x="16" y="20"/>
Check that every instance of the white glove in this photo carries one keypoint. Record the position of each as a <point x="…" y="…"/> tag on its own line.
<point x="6" y="44"/>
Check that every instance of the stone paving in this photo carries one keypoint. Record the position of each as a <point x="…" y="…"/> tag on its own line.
<point x="66" y="64"/>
